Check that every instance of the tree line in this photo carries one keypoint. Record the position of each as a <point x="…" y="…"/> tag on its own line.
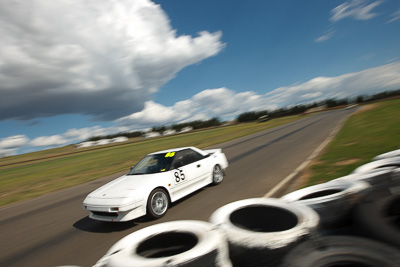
<point x="111" y="136"/>
<point x="198" y="124"/>
<point x="328" y="103"/>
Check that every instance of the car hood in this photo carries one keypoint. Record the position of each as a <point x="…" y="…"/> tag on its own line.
<point x="122" y="187"/>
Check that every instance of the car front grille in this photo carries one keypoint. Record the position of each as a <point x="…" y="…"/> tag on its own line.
<point x="105" y="214"/>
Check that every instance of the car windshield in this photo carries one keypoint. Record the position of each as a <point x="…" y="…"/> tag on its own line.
<point x="154" y="163"/>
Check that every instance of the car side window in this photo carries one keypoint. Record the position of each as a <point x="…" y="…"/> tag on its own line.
<point x="186" y="157"/>
<point x="193" y="156"/>
<point x="178" y="160"/>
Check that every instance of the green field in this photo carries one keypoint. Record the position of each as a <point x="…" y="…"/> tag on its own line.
<point x="25" y="176"/>
<point x="372" y="131"/>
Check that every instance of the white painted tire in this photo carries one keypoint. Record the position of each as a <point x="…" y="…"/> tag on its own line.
<point x="376" y="177"/>
<point x="333" y="200"/>
<point x="261" y="231"/>
<point x="391" y="154"/>
<point x="382" y="163"/>
<point x="176" y="243"/>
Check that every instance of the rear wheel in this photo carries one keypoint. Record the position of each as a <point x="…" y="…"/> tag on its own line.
<point x="158" y="203"/>
<point x="217" y="175"/>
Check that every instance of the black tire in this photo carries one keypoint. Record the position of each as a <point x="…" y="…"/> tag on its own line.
<point x="378" y="216"/>
<point x="261" y="231"/>
<point x="333" y="201"/>
<point x="217" y="175"/>
<point x="176" y="243"/>
<point x="342" y="251"/>
<point x="158" y="203"/>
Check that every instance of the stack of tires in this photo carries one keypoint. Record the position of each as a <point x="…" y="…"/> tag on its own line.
<point x="350" y="221"/>
<point x="360" y="218"/>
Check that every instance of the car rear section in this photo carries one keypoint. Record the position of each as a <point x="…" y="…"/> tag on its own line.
<point x="218" y="157"/>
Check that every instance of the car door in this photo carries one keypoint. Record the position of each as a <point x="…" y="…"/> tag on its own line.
<point x="179" y="173"/>
<point x="197" y="166"/>
<point x="187" y="171"/>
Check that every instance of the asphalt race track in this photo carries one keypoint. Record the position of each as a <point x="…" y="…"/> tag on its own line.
<point x="53" y="230"/>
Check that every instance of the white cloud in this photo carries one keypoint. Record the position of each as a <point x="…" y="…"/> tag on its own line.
<point x="12" y="142"/>
<point x="77" y="135"/>
<point x="9" y="146"/>
<point x="395" y="16"/>
<point x="8" y="152"/>
<point x="156" y="114"/>
<point x="84" y="133"/>
<point x="328" y="35"/>
<point x="226" y="103"/>
<point x="48" y="141"/>
<point x="356" y="9"/>
<point x="219" y="102"/>
<point x="369" y="81"/>
<point x="101" y="58"/>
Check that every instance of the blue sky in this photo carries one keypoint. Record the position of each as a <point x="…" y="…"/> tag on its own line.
<point x="112" y="66"/>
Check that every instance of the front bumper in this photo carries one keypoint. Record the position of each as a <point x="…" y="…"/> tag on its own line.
<point x="110" y="214"/>
<point x="117" y="216"/>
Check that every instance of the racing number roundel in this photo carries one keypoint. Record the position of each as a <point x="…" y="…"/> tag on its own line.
<point x="179" y="176"/>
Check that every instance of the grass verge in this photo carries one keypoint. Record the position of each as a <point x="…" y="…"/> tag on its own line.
<point x="372" y="131"/>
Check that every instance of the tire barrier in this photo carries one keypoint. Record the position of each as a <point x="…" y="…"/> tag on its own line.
<point x="350" y="221"/>
<point x="178" y="243"/>
<point x="261" y="230"/>
<point x="333" y="200"/>
<point x="375" y="177"/>
<point x="342" y="251"/>
<point x="378" y="215"/>
<point x="387" y="162"/>
<point x="391" y="154"/>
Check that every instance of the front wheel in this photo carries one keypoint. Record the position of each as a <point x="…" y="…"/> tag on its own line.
<point x="158" y="203"/>
<point x="217" y="175"/>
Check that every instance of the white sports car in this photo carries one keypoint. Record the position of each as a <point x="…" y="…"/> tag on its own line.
<point x="157" y="180"/>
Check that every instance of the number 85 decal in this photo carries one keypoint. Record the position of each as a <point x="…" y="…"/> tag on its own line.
<point x="179" y="176"/>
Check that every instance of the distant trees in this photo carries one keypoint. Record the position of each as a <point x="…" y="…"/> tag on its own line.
<point x="255" y="115"/>
<point x="383" y="95"/>
<point x="299" y="109"/>
<point x="159" y="129"/>
<point x="198" y="124"/>
<point x="111" y="136"/>
<point x="251" y="116"/>
<point x="360" y="99"/>
<point x="330" y="103"/>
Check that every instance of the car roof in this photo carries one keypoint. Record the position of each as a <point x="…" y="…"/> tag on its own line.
<point x="174" y="150"/>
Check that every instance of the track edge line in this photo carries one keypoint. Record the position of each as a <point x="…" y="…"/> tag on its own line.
<point x="303" y="165"/>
